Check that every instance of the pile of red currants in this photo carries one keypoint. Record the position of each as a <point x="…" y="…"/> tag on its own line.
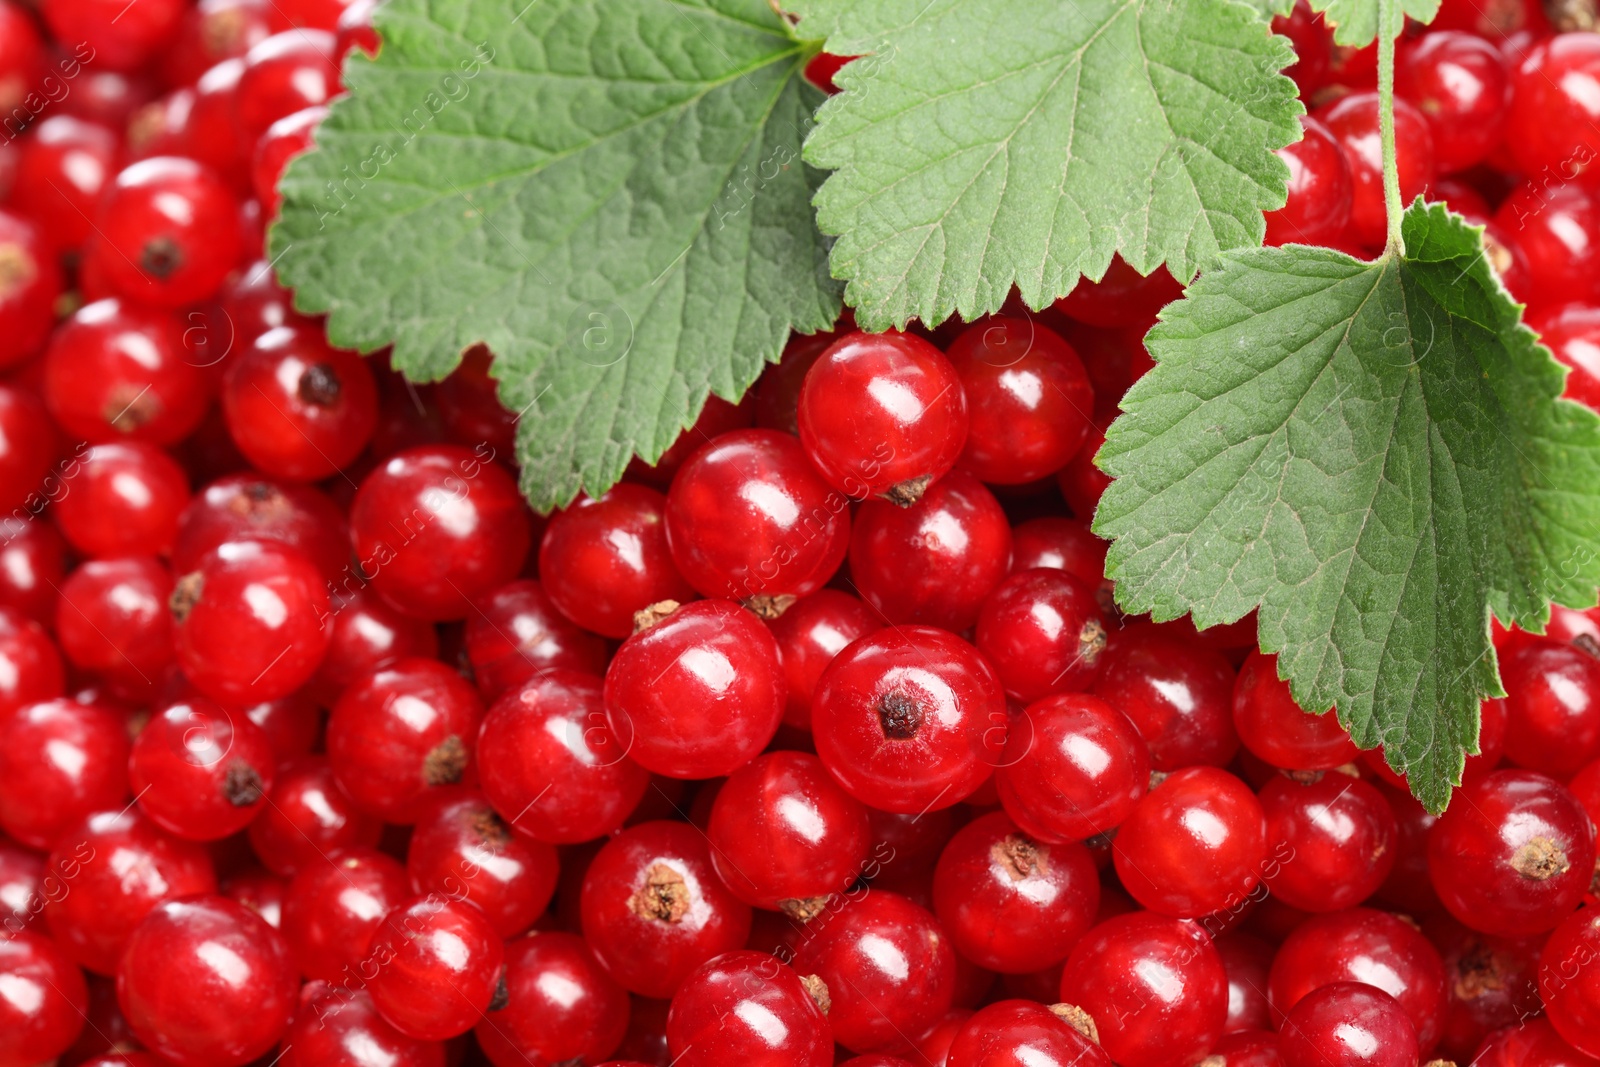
<point x="820" y="740"/>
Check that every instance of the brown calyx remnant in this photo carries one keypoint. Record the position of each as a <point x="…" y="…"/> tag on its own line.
<point x="804" y="909"/>
<point x="1540" y="859"/>
<point x="770" y="605"/>
<point x="1078" y="1019"/>
<point x="185" y="595"/>
<point x="819" y="992"/>
<point x="1156" y="778"/>
<point x="17" y="269"/>
<point x="900" y="715"/>
<point x="908" y="492"/>
<point x="261" y="502"/>
<point x="1586" y="644"/>
<point x="491" y="829"/>
<point x="1213" y="1061"/>
<point x="647" y="617"/>
<point x="1479" y="972"/>
<point x="1569" y="15"/>
<point x="502" y="994"/>
<point x="446" y="763"/>
<point x="1304" y="777"/>
<point x="161" y="257"/>
<point x="128" y="408"/>
<point x="1440" y="1063"/>
<point x="241" y="785"/>
<point x="1100" y="840"/>
<point x="318" y="386"/>
<point x="664" y="896"/>
<point x="1020" y="856"/>
<point x="1091" y="642"/>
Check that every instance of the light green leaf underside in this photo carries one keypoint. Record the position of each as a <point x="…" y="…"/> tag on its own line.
<point x="1269" y="8"/>
<point x="1355" y="22"/>
<point x="1374" y="454"/>
<point x="986" y="143"/>
<point x="609" y="193"/>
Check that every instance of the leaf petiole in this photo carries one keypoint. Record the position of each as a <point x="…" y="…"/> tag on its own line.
<point x="1394" y="209"/>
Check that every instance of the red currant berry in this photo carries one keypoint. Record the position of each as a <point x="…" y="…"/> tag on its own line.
<point x="1462" y="87"/>
<point x="653" y="908"/>
<point x="1513" y="854"/>
<point x="1274" y="728"/>
<point x="367" y="634"/>
<point x="200" y="772"/>
<point x="469" y="405"/>
<point x="1065" y="544"/>
<point x="1042" y="631"/>
<point x="1553" y="695"/>
<point x="438" y="965"/>
<point x="166" y="233"/>
<point x="338" y="1027"/>
<point x="1248" y="961"/>
<point x="716" y="418"/>
<point x="22" y="887"/>
<point x="604" y="559"/>
<point x="1155" y="987"/>
<point x="401" y="731"/>
<point x="1123" y="297"/>
<point x="1077" y="770"/>
<point x="308" y="817"/>
<point x="290" y="136"/>
<point x="438" y="526"/>
<point x="298" y="408"/>
<point x="888" y="966"/>
<point x="62" y="172"/>
<point x="22" y="53"/>
<point x="61" y="761"/>
<point x="1557" y="229"/>
<point x="748" y="519"/>
<point x="251" y="622"/>
<point x="112" y="621"/>
<point x="212" y="31"/>
<point x="1552" y="109"/>
<point x="1492" y="982"/>
<point x="560" y="1006"/>
<point x="42" y="1009"/>
<point x="1569" y="984"/>
<point x="1572" y="333"/>
<point x="515" y="634"/>
<point x="1353" y="122"/>
<point x="882" y="415"/>
<point x="1530" y="1043"/>
<point x="33" y="565"/>
<point x="249" y="507"/>
<point x="1312" y="39"/>
<point x="30" y="666"/>
<point x="1248" y="1048"/>
<point x="334" y="906"/>
<point x="119" y="865"/>
<point x="1176" y="690"/>
<point x="287" y="72"/>
<point x="697" y="694"/>
<point x="205" y="982"/>
<point x="1348" y="1024"/>
<point x="746" y="1007"/>
<point x="1319" y="190"/>
<point x="784" y="836"/>
<point x="461" y="848"/>
<point x="1080" y="481"/>
<point x="1492" y="727"/>
<point x="122" y="500"/>
<point x="1020" y="1033"/>
<point x="934" y="562"/>
<point x="906" y="719"/>
<point x="1332" y="841"/>
<point x="355" y="29"/>
<point x="115" y="36"/>
<point x="1197" y="843"/>
<point x="810" y="634"/>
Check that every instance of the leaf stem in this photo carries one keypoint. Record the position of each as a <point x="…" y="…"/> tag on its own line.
<point x="1393" y="208"/>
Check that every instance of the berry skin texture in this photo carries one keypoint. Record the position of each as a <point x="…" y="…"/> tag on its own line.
<point x="909" y="719"/>
<point x="438" y="526"/>
<point x="1353" y="122"/>
<point x="27" y="299"/>
<point x="515" y="635"/>
<point x="251" y="622"/>
<point x="1531" y="1043"/>
<point x="45" y="1000"/>
<point x="1197" y="843"/>
<point x="810" y="634"/>
<point x="1348" y="1024"/>
<point x="30" y="666"/>
<point x="888" y="966"/>
<point x="167" y="233"/>
<point x="205" y="982"/>
<point x="1010" y="903"/>
<point x="201" y="772"/>
<point x="1077" y="769"/>
<point x="112" y="622"/>
<point x="368" y="633"/>
<point x="747" y="1007"/>
<point x="560" y="1005"/>
<point x="333" y="907"/>
<point x="298" y="408"/>
<point x="1155" y="987"/>
<point x="882" y="415"/>
<point x="653" y="908"/>
<point x="697" y="694"/>
<point x="550" y="765"/>
<point x="1028" y="396"/>
<point x="1553" y="697"/>
<point x="1274" y="728"/>
<point x="462" y="849"/>
<point x="286" y="73"/>
<point x="401" y="731"/>
<point x="784" y="836"/>
<point x="1569" y="981"/>
<point x="437" y="962"/>
<point x="1066" y="544"/>
<point x="934" y="562"/>
<point x="1178" y="692"/>
<point x="1513" y="854"/>
<point x="249" y="507"/>
<point x="604" y="558"/>
<point x="1319" y="190"/>
<point x="1123" y="297"/>
<point x="122" y="500"/>
<point x="1572" y="333"/>
<point x="62" y="761"/>
<point x="1043" y="633"/>
<point x="122" y="44"/>
<point x="1552" y="112"/>
<point x="726" y="546"/>
<point x="332" y="1021"/>
<point x="309" y="817"/>
<point x="290" y="136"/>
<point x="1557" y="228"/>
<point x="1332" y="841"/>
<point x="1461" y="85"/>
<point x="1493" y="982"/>
<point x="1022" y="1033"/>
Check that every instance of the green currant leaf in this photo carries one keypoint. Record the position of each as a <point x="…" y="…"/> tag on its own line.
<point x="985" y="143"/>
<point x="608" y="193"/>
<point x="1355" y="22"/>
<point x="1375" y="455"/>
<point x="1269" y="8"/>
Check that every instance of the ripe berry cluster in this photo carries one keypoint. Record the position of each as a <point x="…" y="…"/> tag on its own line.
<point x="822" y="733"/>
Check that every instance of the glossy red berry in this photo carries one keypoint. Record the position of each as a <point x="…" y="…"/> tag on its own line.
<point x="516" y="634"/>
<point x="810" y="633"/>
<point x="355" y="28"/>
<point x="32" y="567"/>
<point x="119" y="865"/>
<point x="1066" y="544"/>
<point x="1123" y="297"/>
<point x="697" y="694"/>
<point x="200" y="772"/>
<point x="1552" y="111"/>
<point x="286" y="138"/>
<point x="1274" y="728"/>
<point x="22" y="888"/>
<point x="298" y="408"/>
<point x="205" y="982"/>
<point x="1553" y="698"/>
<point x="30" y="666"/>
<point x="112" y="622"/>
<point x="368" y="633"/>
<point x="747" y="1007"/>
<point x="1531" y="1043"/>
<point x="1513" y="854"/>
<point x="122" y="500"/>
<point x="1572" y="333"/>
<point x="401" y="731"/>
<point x="1176" y="690"/>
<point x="748" y="518"/>
<point x="784" y="836"/>
<point x="332" y="908"/>
<point x="934" y="562"/>
<point x="250" y="507"/>
<point x="119" y="39"/>
<point x="1461" y="85"/>
<point x="1569" y="983"/>
<point x="1043" y="632"/>
<point x="438" y="965"/>
<point x="438" y="526"/>
<point x="212" y="31"/>
<point x="336" y="1026"/>
<point x="882" y="415"/>
<point x="62" y="760"/>
<point x="1319" y="190"/>
<point x="288" y="72"/>
<point x="716" y="418"/>
<point x="909" y="719"/>
<point x="560" y="1005"/>
<point x="62" y="171"/>
<point x="462" y="849"/>
<point x="1556" y="227"/>
<point x="1353" y="122"/>
<point x="1195" y="844"/>
<point x="1021" y="1033"/>
<point x="1075" y="770"/>
<point x="42" y="1009"/>
<point x="1348" y="1024"/>
<point x="603" y="559"/>
<point x="309" y="817"/>
<point x="653" y="908"/>
<point x="1155" y="987"/>
<point x="889" y="968"/>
